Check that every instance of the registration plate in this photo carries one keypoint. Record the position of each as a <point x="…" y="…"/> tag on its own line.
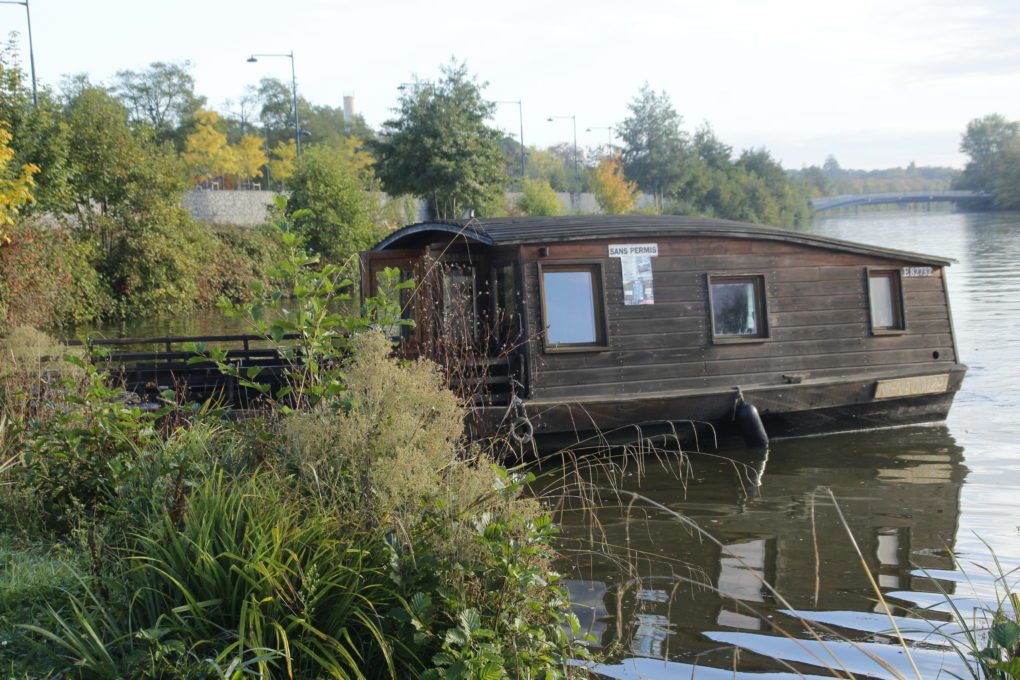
<point x="912" y="387"/>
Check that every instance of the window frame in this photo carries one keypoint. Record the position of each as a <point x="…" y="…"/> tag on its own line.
<point x="896" y="274"/>
<point x="599" y="302"/>
<point x="761" y="299"/>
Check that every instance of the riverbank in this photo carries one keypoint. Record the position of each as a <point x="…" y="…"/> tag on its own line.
<point x="57" y="279"/>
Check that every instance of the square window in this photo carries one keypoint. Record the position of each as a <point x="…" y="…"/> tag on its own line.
<point x="572" y="306"/>
<point x="885" y="297"/>
<point x="738" y="308"/>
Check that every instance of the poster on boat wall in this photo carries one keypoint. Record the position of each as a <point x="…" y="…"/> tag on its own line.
<point x="636" y="264"/>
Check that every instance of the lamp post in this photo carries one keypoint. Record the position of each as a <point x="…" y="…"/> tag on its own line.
<point x="573" y="119"/>
<point x="293" y="85"/>
<point x="520" y="115"/>
<point x="31" y="49"/>
<point x="609" y="135"/>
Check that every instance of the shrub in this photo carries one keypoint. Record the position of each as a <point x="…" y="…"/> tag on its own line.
<point x="539" y="199"/>
<point x="240" y="258"/>
<point x="47" y="279"/>
<point x="330" y="207"/>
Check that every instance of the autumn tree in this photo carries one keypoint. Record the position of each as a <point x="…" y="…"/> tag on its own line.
<point x="539" y="199"/>
<point x="615" y="194"/>
<point x="440" y="147"/>
<point x="249" y="157"/>
<point x="38" y="134"/>
<point x="15" y="185"/>
<point x="206" y="152"/>
<point x="281" y="161"/>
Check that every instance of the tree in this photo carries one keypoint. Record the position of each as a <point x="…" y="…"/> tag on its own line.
<point x="15" y="187"/>
<point x="118" y="177"/>
<point x="615" y="194"/>
<point x="277" y="109"/>
<point x="440" y="148"/>
<point x="162" y="96"/>
<point x="281" y="162"/>
<point x="544" y="164"/>
<point x="1006" y="184"/>
<point x="329" y="205"/>
<point x="38" y="135"/>
<point x="654" y="145"/>
<point x="241" y="114"/>
<point x="249" y="157"/>
<point x="206" y="152"/>
<point x="539" y="199"/>
<point x="985" y="141"/>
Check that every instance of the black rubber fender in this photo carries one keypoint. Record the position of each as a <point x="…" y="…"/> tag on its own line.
<point x="750" y="426"/>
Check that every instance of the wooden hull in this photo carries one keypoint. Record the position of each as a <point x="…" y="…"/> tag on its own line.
<point x="807" y="408"/>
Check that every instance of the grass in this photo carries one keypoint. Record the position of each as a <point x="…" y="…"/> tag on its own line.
<point x="30" y="576"/>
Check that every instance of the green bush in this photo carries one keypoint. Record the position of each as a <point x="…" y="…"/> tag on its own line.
<point x="330" y="206"/>
<point x="539" y="199"/>
<point x="346" y="531"/>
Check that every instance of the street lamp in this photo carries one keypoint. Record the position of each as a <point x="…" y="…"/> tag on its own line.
<point x="31" y="50"/>
<point x="293" y="85"/>
<point x="520" y="114"/>
<point x="609" y="134"/>
<point x="577" y="172"/>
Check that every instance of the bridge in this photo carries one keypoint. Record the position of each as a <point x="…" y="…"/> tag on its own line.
<point x="972" y="198"/>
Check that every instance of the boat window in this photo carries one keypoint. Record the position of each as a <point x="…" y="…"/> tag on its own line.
<point x="738" y="307"/>
<point x="886" y="298"/>
<point x="460" y="304"/>
<point x="506" y="320"/>
<point x="572" y="307"/>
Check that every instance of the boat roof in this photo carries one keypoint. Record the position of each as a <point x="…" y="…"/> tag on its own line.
<point x="505" y="231"/>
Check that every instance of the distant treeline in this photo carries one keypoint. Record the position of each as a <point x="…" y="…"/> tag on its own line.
<point x="830" y="179"/>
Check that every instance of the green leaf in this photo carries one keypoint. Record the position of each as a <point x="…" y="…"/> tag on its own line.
<point x="1006" y="634"/>
<point x="470" y="621"/>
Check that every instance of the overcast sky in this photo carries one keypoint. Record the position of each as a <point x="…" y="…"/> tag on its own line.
<point x="877" y="83"/>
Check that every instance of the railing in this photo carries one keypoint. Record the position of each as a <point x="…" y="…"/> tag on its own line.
<point x="149" y="373"/>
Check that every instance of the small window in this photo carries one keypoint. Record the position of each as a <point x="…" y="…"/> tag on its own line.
<point x="572" y="307"/>
<point x="505" y="314"/>
<point x="738" y="308"/>
<point x="886" y="298"/>
<point x="460" y="304"/>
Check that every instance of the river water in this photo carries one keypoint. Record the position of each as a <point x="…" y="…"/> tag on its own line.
<point x="775" y="560"/>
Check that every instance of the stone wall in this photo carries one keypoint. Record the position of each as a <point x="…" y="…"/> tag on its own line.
<point x="251" y="208"/>
<point x="238" y="208"/>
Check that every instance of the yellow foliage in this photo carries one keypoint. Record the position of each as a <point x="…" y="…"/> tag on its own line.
<point x="281" y="164"/>
<point x="615" y="194"/>
<point x="250" y="157"/>
<point x="14" y="191"/>
<point x="206" y="151"/>
<point x="356" y="156"/>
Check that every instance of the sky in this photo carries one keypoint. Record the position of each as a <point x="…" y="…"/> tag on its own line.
<point x="875" y="83"/>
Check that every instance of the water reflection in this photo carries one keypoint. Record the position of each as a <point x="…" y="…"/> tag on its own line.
<point x="682" y="595"/>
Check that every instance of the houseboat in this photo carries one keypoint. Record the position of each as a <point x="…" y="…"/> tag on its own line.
<point x="567" y="326"/>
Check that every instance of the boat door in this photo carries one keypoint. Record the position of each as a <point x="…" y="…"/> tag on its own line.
<point x="376" y="281"/>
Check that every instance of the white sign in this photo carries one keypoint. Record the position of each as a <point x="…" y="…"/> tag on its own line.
<point x="631" y="249"/>
<point x="916" y="271"/>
